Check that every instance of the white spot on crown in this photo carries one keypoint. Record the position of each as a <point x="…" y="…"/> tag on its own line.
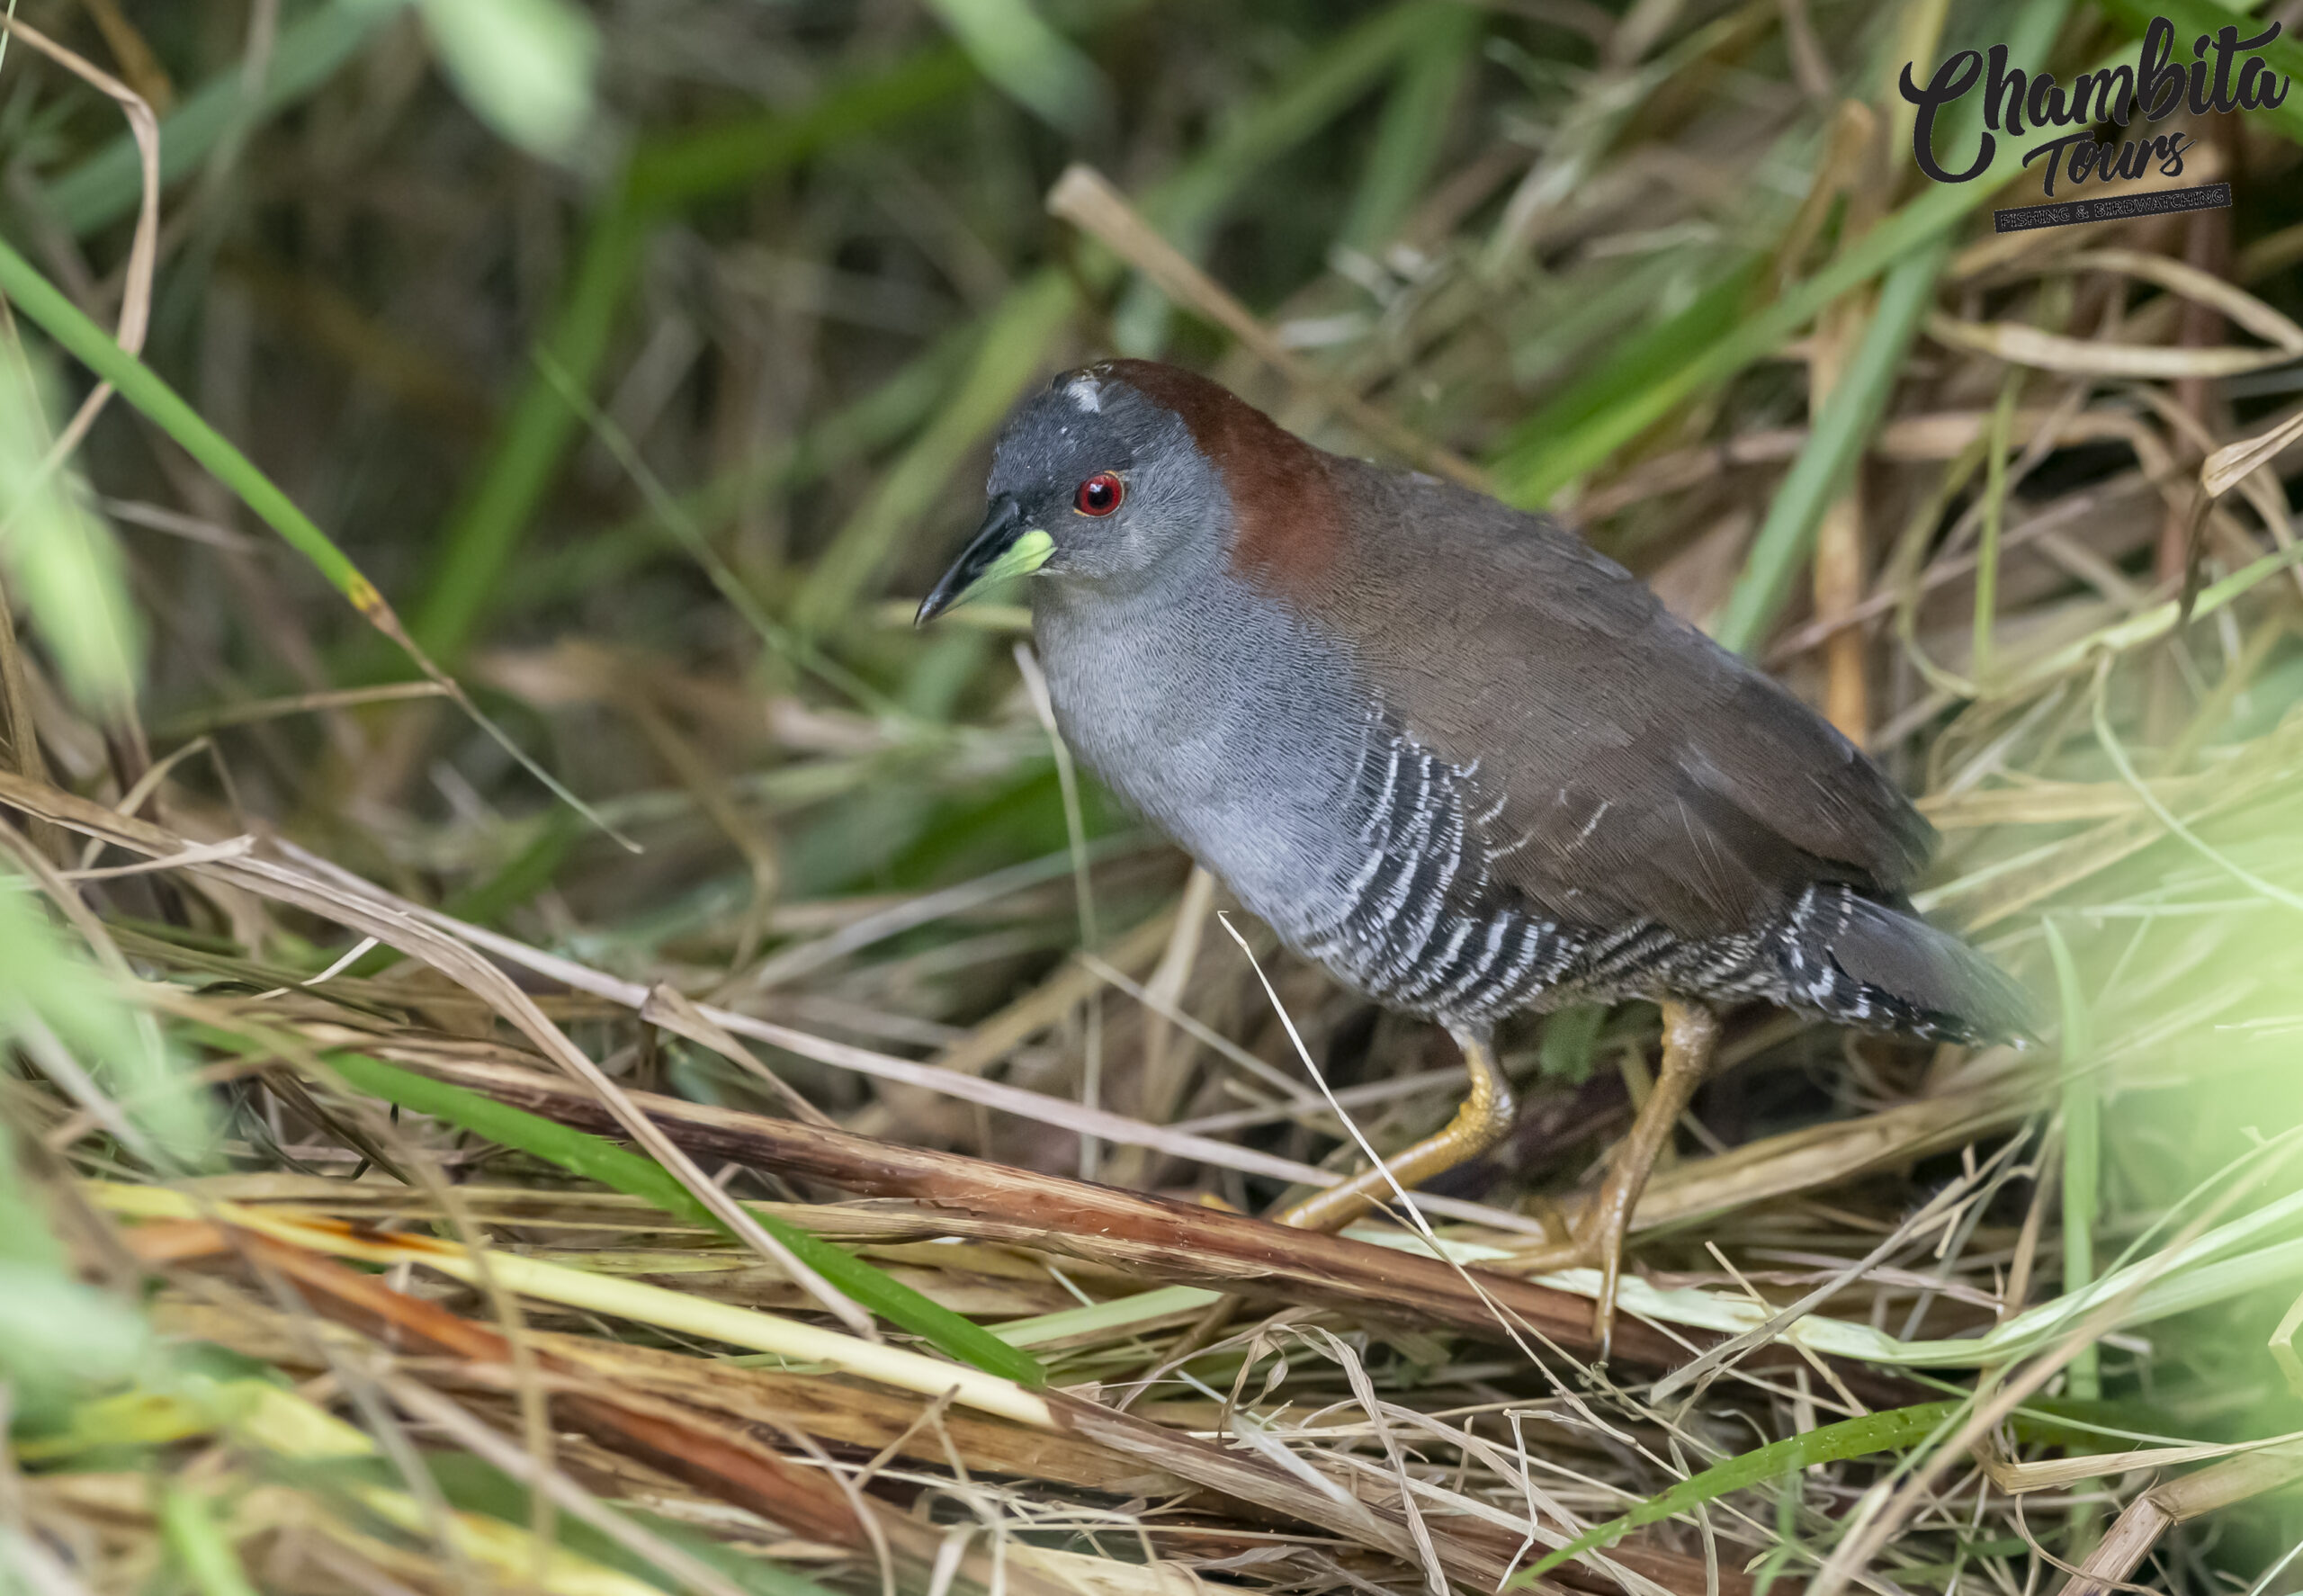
<point x="1087" y="393"/>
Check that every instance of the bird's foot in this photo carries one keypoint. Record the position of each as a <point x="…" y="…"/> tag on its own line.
<point x="1596" y="1241"/>
<point x="1480" y="1122"/>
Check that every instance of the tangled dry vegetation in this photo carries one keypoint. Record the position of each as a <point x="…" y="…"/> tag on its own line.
<point x="409" y="1177"/>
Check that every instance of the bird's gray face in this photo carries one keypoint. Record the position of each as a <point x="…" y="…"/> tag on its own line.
<point x="1092" y="484"/>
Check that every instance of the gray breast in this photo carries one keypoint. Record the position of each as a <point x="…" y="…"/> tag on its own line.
<point x="1226" y="722"/>
<point x="1247" y="736"/>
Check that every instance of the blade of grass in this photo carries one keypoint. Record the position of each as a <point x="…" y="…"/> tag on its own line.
<point x="1188" y="207"/>
<point x="1113" y="1318"/>
<point x="876" y="421"/>
<point x="1091" y="1071"/>
<point x="681" y="168"/>
<point x="202" y="1553"/>
<point x="1039" y="68"/>
<point x="2153" y="624"/>
<point x="59" y="1335"/>
<point x="482" y="533"/>
<point x="97" y="349"/>
<point x="582" y="1153"/>
<point x="1890" y="1430"/>
<point x="724" y="578"/>
<point x="1315" y="91"/>
<point x="1836" y="441"/>
<point x="1530" y="465"/>
<point x="526" y="68"/>
<point x="2083" y="1145"/>
<point x="143" y="387"/>
<point x="684" y="1314"/>
<point x="1416" y="118"/>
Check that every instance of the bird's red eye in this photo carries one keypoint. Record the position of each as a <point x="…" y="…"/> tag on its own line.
<point x="1099" y="495"/>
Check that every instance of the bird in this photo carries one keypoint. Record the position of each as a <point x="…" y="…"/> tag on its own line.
<point x="1451" y="752"/>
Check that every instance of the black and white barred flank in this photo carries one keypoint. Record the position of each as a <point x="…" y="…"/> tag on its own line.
<point x="1421" y="922"/>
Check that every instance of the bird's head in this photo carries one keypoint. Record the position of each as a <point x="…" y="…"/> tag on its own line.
<point x="1119" y="475"/>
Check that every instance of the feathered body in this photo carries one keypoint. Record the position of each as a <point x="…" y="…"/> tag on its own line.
<point x="1449" y="750"/>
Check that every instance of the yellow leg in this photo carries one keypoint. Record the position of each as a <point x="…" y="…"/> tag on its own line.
<point x="1690" y="1032"/>
<point x="1479" y="1124"/>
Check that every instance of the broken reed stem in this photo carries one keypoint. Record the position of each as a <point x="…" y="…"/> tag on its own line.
<point x="1839" y="573"/>
<point x="1849" y="165"/>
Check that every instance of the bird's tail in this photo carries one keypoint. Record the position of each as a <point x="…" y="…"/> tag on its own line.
<point x="1864" y="963"/>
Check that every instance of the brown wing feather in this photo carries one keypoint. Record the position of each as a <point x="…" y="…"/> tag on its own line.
<point x="1641" y="771"/>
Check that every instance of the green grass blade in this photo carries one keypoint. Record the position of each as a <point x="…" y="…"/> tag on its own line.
<point x="737" y="596"/>
<point x="1111" y="1318"/>
<point x="63" y="563"/>
<point x="1314" y="93"/>
<point x="1016" y="49"/>
<point x="526" y="68"/>
<point x="1545" y="452"/>
<point x="897" y="407"/>
<point x="1834" y="446"/>
<point x="1416" y="118"/>
<point x="202" y="1552"/>
<point x="143" y="387"/>
<point x="2083" y="1161"/>
<point x="1994" y="517"/>
<point x="679" y="168"/>
<point x="582" y="1153"/>
<point x="1855" y="1437"/>
<point x="1189" y="206"/>
<point x="483" y="532"/>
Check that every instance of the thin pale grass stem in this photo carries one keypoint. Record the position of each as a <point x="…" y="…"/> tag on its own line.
<point x="635" y="1300"/>
<point x="1092" y="1072"/>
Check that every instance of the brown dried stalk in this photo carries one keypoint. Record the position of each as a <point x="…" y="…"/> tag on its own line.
<point x="712" y="1457"/>
<point x="1150" y="1236"/>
